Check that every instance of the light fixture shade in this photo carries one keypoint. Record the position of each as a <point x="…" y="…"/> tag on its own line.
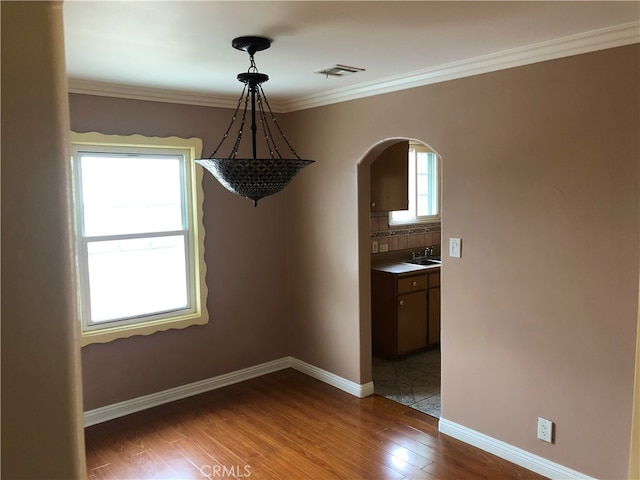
<point x="254" y="178"/>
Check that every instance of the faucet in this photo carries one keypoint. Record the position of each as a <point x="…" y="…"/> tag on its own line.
<point x="428" y="251"/>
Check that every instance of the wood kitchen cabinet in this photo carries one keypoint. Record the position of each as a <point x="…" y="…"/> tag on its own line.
<point x="398" y="312"/>
<point x="405" y="309"/>
<point x="434" y="308"/>
<point x="390" y="179"/>
<point x="411" y="328"/>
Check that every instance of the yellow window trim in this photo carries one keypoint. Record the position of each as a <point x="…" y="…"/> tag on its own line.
<point x="201" y="315"/>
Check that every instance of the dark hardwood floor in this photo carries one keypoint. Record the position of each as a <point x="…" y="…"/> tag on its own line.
<point x="287" y="426"/>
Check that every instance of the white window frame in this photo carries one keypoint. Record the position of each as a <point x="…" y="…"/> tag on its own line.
<point x="410" y="217"/>
<point x="193" y="233"/>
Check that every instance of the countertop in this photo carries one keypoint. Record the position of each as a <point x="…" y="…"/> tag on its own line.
<point x="402" y="267"/>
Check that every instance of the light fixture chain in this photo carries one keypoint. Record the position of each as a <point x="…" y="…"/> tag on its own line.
<point x="268" y="137"/>
<point x="233" y="119"/>
<point x="252" y="65"/>
<point x="234" y="151"/>
<point x="275" y="121"/>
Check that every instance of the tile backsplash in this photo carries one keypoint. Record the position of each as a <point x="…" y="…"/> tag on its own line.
<point x="403" y="237"/>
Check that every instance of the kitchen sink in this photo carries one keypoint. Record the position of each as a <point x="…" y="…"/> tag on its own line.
<point x="426" y="261"/>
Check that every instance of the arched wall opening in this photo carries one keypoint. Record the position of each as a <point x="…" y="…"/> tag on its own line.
<point x="364" y="245"/>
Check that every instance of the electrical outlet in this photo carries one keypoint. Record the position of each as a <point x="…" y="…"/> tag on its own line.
<point x="384" y="247"/>
<point x="374" y="246"/>
<point x="545" y="430"/>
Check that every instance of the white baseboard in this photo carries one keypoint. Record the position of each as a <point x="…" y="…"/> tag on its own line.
<point x="120" y="409"/>
<point x="516" y="455"/>
<point x="484" y="442"/>
<point x="332" y="379"/>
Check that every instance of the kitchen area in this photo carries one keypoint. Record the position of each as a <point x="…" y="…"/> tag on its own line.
<point x="405" y="282"/>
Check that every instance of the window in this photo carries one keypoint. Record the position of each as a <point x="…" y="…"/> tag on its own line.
<point x="424" y="188"/>
<point x="138" y="223"/>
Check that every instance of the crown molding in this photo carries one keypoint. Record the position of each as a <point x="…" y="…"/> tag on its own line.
<point x="592" y="41"/>
<point x="601" y="39"/>
<point x="150" y="94"/>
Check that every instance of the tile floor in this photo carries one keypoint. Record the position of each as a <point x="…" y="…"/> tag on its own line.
<point x="412" y="380"/>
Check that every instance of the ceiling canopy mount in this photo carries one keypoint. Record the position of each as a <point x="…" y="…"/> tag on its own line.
<point x="251" y="45"/>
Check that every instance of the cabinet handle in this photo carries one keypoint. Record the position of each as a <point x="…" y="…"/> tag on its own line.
<point x="401" y="302"/>
<point x="415" y="284"/>
<point x="373" y="204"/>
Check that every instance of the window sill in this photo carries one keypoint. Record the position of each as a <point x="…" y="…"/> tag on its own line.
<point x="415" y="222"/>
<point x="105" y="335"/>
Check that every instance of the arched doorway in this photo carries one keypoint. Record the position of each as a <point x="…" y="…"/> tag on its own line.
<point x="409" y="377"/>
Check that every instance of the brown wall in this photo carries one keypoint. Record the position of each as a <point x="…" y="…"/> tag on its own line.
<point x="539" y="315"/>
<point x="246" y="276"/>
<point x="532" y="301"/>
<point x="41" y="398"/>
<point x="541" y="181"/>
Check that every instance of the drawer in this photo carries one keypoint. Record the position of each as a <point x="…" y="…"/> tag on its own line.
<point x="434" y="279"/>
<point x="412" y="284"/>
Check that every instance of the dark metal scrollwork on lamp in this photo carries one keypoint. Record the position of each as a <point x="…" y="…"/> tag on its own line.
<point x="254" y="177"/>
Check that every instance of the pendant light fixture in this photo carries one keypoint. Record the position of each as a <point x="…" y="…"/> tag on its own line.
<point x="254" y="177"/>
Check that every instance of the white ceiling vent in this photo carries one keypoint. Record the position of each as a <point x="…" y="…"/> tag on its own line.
<point x="339" y="70"/>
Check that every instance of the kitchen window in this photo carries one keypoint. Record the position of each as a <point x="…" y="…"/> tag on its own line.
<point x="424" y="188"/>
<point x="139" y="235"/>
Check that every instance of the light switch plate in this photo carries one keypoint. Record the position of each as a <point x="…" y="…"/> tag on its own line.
<point x="455" y="247"/>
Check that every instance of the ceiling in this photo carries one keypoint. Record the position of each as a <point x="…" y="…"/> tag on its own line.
<point x="181" y="51"/>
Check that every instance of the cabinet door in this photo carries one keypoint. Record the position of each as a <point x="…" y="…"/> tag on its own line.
<point x="390" y="179"/>
<point x="412" y="321"/>
<point x="434" y="315"/>
<point x="383" y="314"/>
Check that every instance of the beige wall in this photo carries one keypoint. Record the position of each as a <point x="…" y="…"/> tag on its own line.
<point x="541" y="183"/>
<point x="41" y="402"/>
<point x="246" y="277"/>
